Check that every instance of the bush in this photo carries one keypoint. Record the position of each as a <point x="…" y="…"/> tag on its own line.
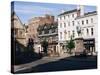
<point x="70" y="45"/>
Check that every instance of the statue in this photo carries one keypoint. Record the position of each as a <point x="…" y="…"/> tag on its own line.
<point x="79" y="46"/>
<point x="78" y="28"/>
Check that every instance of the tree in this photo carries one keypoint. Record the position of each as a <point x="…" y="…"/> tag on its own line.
<point x="45" y="46"/>
<point x="70" y="45"/>
<point x="30" y="45"/>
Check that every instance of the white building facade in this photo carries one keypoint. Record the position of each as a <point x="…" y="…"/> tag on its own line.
<point x="89" y="28"/>
<point x="67" y="27"/>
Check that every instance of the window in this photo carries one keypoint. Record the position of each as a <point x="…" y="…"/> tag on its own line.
<point x="68" y="16"/>
<point x="50" y="31"/>
<point x="73" y="23"/>
<point x="53" y="30"/>
<point x="45" y="27"/>
<point x="91" y="31"/>
<point x="65" y="34"/>
<point x="73" y="33"/>
<point x="82" y="22"/>
<point x="60" y="25"/>
<point x="64" y="24"/>
<point x="78" y="22"/>
<point x="87" y="32"/>
<point x="73" y="15"/>
<point x="42" y="32"/>
<point x="64" y="17"/>
<point x="82" y="31"/>
<point x="69" y="34"/>
<point x="60" y="35"/>
<point x="86" y="21"/>
<point x="91" y="20"/>
<point x="68" y="23"/>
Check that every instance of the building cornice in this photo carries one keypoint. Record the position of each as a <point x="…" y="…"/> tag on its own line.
<point x="87" y="15"/>
<point x="67" y="12"/>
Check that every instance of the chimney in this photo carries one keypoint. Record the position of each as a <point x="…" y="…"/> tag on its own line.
<point x="80" y="9"/>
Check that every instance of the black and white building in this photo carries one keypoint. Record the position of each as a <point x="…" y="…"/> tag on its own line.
<point x="49" y="32"/>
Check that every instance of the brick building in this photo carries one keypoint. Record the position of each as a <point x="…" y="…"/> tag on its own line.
<point x="49" y="32"/>
<point x="33" y="24"/>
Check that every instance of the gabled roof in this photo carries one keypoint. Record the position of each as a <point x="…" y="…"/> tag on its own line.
<point x="18" y="24"/>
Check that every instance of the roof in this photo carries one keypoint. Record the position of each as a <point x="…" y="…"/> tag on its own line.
<point x="16" y="18"/>
<point x="91" y="12"/>
<point x="67" y="12"/>
<point x="87" y="14"/>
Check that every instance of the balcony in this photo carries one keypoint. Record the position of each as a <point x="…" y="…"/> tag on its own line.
<point x="51" y="34"/>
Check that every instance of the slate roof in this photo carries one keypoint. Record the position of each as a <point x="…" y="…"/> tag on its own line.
<point x="67" y="12"/>
<point x="87" y="14"/>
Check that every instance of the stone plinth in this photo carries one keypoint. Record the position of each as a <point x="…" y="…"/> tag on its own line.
<point x="79" y="46"/>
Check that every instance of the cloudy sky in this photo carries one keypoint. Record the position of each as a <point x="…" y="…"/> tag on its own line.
<point x="27" y="10"/>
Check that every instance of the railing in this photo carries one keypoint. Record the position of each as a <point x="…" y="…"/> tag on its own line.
<point x="48" y="34"/>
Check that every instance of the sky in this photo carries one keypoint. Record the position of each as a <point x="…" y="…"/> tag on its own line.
<point x="28" y="10"/>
